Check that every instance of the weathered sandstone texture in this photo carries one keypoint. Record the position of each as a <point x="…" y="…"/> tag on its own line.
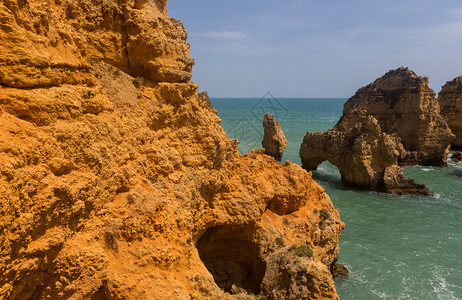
<point x="450" y="99"/>
<point x="117" y="181"/>
<point x="404" y="106"/>
<point x="274" y="141"/>
<point x="366" y="157"/>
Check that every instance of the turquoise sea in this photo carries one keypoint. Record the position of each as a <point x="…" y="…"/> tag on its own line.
<point x="395" y="247"/>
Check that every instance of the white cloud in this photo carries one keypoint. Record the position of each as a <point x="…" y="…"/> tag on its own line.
<point x="455" y="11"/>
<point x="229" y="35"/>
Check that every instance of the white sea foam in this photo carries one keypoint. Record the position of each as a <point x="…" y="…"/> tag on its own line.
<point x="441" y="286"/>
<point x="455" y="165"/>
<point x="426" y="170"/>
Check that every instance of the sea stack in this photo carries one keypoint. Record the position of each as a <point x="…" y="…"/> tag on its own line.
<point x="393" y="121"/>
<point x="274" y="141"/>
<point x="450" y="99"/>
<point x="118" y="182"/>
<point x="406" y="107"/>
<point x="366" y="157"/>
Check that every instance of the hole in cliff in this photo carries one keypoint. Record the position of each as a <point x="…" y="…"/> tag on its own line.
<point x="329" y="173"/>
<point x="232" y="257"/>
<point x="101" y="294"/>
<point x="284" y="206"/>
<point x="122" y="189"/>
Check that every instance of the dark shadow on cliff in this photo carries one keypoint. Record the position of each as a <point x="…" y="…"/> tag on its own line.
<point x="232" y="257"/>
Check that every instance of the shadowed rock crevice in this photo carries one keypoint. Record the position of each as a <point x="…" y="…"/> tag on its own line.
<point x="232" y="257"/>
<point x="101" y="294"/>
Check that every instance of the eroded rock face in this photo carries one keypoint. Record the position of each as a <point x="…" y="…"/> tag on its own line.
<point x="363" y="154"/>
<point x="450" y="99"/>
<point x="117" y="181"/>
<point x="51" y="43"/>
<point x="405" y="106"/>
<point x="274" y="141"/>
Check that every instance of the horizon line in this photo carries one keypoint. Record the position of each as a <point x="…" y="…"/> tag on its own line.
<point x="280" y="97"/>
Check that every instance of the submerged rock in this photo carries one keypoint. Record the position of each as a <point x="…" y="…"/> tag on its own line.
<point x="456" y="157"/>
<point x="340" y="270"/>
<point x="395" y="183"/>
<point x="117" y="181"/>
<point x="274" y="141"/>
<point x="404" y="106"/>
<point x="363" y="154"/>
<point x="450" y="99"/>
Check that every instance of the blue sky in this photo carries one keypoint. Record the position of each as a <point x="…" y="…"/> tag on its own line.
<point x="323" y="48"/>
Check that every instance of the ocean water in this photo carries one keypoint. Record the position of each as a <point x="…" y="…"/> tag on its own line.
<point x="395" y="247"/>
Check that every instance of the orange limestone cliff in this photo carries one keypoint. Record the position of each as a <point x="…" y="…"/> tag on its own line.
<point x="450" y="99"/>
<point x="117" y="181"/>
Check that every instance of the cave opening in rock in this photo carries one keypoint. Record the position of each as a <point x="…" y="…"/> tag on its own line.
<point x="101" y="294"/>
<point x="232" y="256"/>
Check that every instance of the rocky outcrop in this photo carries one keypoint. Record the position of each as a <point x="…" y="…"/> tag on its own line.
<point x="340" y="270"/>
<point x="404" y="106"/>
<point x="365" y="156"/>
<point x="274" y="141"/>
<point x="394" y="120"/>
<point x="456" y="157"/>
<point x="450" y="99"/>
<point x="204" y="96"/>
<point x="117" y="181"/>
<point x="395" y="183"/>
<point x="287" y="275"/>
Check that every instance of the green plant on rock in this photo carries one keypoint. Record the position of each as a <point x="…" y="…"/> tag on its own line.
<point x="291" y="273"/>
<point x="302" y="250"/>
<point x="300" y="278"/>
<point x="280" y="242"/>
